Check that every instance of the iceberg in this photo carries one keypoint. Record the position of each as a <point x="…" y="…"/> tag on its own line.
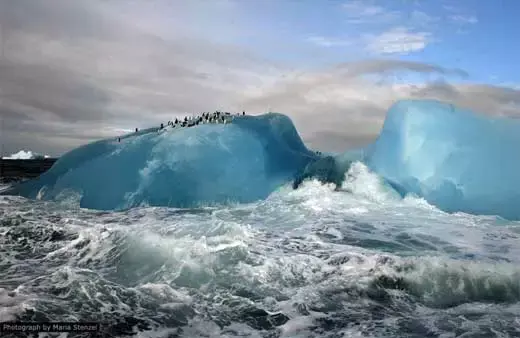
<point x="242" y="161"/>
<point x="455" y="159"/>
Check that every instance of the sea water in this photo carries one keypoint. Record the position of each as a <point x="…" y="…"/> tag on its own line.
<point x="311" y="262"/>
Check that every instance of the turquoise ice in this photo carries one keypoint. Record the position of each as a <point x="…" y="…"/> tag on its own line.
<point x="454" y="158"/>
<point x="243" y="161"/>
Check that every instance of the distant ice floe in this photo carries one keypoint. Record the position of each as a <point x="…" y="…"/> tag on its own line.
<point x="25" y="155"/>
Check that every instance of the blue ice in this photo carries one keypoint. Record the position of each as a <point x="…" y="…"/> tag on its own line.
<point x="454" y="158"/>
<point x="243" y="161"/>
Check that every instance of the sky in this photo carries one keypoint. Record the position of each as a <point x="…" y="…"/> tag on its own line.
<point x="76" y="71"/>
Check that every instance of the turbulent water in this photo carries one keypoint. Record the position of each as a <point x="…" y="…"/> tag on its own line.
<point x="312" y="262"/>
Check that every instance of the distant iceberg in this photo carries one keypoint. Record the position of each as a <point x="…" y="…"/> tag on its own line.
<point x="24" y="155"/>
<point x="453" y="158"/>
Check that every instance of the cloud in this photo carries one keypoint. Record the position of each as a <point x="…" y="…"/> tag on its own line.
<point x="421" y="19"/>
<point x="388" y="35"/>
<point x="340" y="108"/>
<point x="392" y="31"/>
<point x="385" y="66"/>
<point x="450" y="8"/>
<point x="361" y="12"/>
<point x="461" y="19"/>
<point x="73" y="72"/>
<point x="365" y="12"/>
<point x="328" y="42"/>
<point x="458" y="16"/>
<point x="78" y="72"/>
<point x="398" y="40"/>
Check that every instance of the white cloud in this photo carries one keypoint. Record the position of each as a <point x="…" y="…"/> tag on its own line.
<point x="398" y="40"/>
<point x="359" y="12"/>
<point x="386" y="38"/>
<point x="461" y="19"/>
<point x="450" y="8"/>
<point x="422" y="19"/>
<point x="329" y="42"/>
<point x="402" y="31"/>
<point x="459" y="16"/>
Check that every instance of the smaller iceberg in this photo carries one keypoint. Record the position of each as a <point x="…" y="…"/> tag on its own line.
<point x="454" y="158"/>
<point x="24" y="155"/>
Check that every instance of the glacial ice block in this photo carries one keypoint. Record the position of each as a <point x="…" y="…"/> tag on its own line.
<point x="242" y="161"/>
<point x="454" y="158"/>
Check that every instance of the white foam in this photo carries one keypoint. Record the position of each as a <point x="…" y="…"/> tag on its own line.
<point x="11" y="305"/>
<point x="439" y="280"/>
<point x="361" y="182"/>
<point x="165" y="292"/>
<point x="297" y="327"/>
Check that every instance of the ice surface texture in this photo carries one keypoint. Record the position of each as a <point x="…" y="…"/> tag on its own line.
<point x="454" y="158"/>
<point x="182" y="167"/>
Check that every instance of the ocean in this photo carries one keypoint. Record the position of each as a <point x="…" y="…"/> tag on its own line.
<point x="359" y="261"/>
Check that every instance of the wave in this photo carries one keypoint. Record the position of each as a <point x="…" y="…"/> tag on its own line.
<point x="4" y="187"/>
<point x="287" y="263"/>
<point x="452" y="158"/>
